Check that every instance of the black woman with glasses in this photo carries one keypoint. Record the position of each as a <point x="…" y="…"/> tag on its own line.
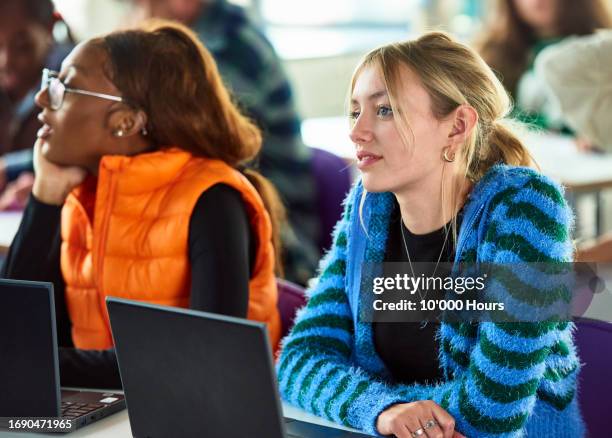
<point x="138" y="194"/>
<point x="27" y="44"/>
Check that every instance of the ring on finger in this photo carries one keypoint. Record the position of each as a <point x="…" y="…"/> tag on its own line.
<point x="418" y="432"/>
<point x="430" y="423"/>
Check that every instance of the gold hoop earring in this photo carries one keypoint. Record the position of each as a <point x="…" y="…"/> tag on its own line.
<point x="446" y="157"/>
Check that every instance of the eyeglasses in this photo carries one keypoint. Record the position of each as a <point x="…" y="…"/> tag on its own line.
<point x="56" y="90"/>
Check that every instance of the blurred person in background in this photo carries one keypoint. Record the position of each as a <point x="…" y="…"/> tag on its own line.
<point x="26" y="46"/>
<point x="579" y="73"/>
<point x="518" y="31"/>
<point x="253" y="72"/>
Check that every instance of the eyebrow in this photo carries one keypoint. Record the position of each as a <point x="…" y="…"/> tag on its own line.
<point x="373" y="96"/>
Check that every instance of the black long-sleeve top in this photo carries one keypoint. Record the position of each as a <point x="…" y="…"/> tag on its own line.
<point x="219" y="236"/>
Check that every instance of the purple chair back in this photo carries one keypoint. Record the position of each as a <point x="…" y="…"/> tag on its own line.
<point x="333" y="180"/>
<point x="594" y="342"/>
<point x="291" y="297"/>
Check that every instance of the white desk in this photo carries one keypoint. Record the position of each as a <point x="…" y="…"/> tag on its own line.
<point x="561" y="160"/>
<point x="9" y="224"/>
<point x="118" y="425"/>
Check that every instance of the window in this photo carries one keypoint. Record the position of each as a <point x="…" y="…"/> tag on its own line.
<point x="320" y="28"/>
<point x="339" y="12"/>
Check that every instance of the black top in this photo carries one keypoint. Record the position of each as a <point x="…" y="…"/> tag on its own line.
<point x="219" y="237"/>
<point x="410" y="350"/>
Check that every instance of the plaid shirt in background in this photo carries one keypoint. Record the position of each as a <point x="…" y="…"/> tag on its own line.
<point x="253" y="73"/>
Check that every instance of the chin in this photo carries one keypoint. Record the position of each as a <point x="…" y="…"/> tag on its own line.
<point x="46" y="150"/>
<point x="373" y="184"/>
<point x="50" y="153"/>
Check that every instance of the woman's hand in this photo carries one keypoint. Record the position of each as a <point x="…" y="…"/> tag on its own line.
<point x="53" y="183"/>
<point x="423" y="418"/>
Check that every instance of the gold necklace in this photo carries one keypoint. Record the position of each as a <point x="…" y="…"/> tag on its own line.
<point x="410" y="261"/>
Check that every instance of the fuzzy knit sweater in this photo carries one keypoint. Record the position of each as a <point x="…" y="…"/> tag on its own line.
<point x="501" y="379"/>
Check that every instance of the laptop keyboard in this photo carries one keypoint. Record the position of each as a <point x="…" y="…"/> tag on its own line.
<point x="74" y="410"/>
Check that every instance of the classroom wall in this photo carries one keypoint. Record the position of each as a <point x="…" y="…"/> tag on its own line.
<point x="321" y="84"/>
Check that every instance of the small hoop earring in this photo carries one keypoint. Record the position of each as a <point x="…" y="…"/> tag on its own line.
<point x="119" y="133"/>
<point x="446" y="157"/>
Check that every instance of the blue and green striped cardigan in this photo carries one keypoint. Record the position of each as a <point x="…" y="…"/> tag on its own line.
<point x="501" y="379"/>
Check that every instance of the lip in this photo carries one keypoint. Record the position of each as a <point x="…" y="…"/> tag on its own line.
<point x="45" y="130"/>
<point x="366" y="159"/>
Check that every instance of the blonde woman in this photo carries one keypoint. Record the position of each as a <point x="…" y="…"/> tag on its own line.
<point x="435" y="156"/>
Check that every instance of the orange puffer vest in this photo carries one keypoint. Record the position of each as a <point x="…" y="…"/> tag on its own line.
<point x="126" y="235"/>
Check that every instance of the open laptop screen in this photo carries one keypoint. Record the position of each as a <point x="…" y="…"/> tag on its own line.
<point x="29" y="373"/>
<point x="189" y="373"/>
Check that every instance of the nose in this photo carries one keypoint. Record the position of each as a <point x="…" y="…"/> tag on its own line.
<point x="42" y="98"/>
<point x="361" y="132"/>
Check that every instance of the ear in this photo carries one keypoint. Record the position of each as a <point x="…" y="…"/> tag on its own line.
<point x="464" y="120"/>
<point x="126" y="122"/>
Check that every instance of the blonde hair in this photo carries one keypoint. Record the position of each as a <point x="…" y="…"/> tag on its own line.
<point x="453" y="74"/>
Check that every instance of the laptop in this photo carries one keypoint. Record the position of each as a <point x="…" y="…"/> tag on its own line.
<point x="187" y="373"/>
<point x="29" y="368"/>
